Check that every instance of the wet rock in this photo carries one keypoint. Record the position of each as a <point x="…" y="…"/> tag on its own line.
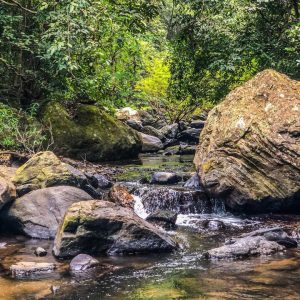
<point x="190" y="136"/>
<point x="193" y="182"/>
<point x="197" y="124"/>
<point x="164" y="178"/>
<point x="95" y="227"/>
<point x="25" y="269"/>
<point x="275" y="234"/>
<point x="252" y="160"/>
<point x="137" y="125"/>
<point x="163" y="218"/>
<point x="38" y="213"/>
<point x="176" y="200"/>
<point x="45" y="169"/>
<point x="214" y="225"/>
<point x="83" y="262"/>
<point x="246" y="247"/>
<point x="170" y="131"/>
<point x="150" y="143"/>
<point x="40" y="252"/>
<point x="120" y="195"/>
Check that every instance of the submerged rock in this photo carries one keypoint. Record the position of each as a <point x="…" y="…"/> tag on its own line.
<point x="245" y="247"/>
<point x="88" y="132"/>
<point x="252" y="160"/>
<point x="25" y="269"/>
<point x="176" y="200"/>
<point x="259" y="242"/>
<point x="150" y="143"/>
<point x="95" y="227"/>
<point x="38" y="213"/>
<point x="83" y="262"/>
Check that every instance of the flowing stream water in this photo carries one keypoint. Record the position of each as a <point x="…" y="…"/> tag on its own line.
<point x="183" y="274"/>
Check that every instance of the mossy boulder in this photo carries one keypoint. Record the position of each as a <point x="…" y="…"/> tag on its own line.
<point x="249" y="151"/>
<point x="45" y="169"/>
<point x="95" y="227"/>
<point x="88" y="132"/>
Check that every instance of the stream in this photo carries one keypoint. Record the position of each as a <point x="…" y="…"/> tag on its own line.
<point x="183" y="274"/>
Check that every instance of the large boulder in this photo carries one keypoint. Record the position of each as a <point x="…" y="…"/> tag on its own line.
<point x="38" y="213"/>
<point x="249" y="151"/>
<point x="45" y="169"/>
<point x="150" y="143"/>
<point x="94" y="227"/>
<point x="7" y="188"/>
<point x="90" y="133"/>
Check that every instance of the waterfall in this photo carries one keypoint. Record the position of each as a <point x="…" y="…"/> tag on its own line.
<point x="139" y="207"/>
<point x="218" y="206"/>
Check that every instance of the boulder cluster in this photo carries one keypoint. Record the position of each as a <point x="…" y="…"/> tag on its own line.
<point x="48" y="199"/>
<point x="158" y="136"/>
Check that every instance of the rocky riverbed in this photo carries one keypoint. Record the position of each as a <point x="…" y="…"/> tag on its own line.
<point x="186" y="273"/>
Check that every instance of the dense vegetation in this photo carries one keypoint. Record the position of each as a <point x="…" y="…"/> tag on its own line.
<point x="174" y="56"/>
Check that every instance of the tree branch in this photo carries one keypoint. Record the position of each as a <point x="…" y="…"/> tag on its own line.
<point x="17" y="4"/>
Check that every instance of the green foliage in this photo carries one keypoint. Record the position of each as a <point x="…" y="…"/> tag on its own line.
<point x="218" y="45"/>
<point x="20" y="131"/>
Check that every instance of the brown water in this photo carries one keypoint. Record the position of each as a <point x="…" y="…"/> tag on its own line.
<point x="184" y="274"/>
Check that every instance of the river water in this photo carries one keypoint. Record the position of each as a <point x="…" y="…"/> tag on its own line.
<point x="184" y="274"/>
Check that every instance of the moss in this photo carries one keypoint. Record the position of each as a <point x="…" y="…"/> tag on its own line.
<point x="206" y="166"/>
<point x="90" y="133"/>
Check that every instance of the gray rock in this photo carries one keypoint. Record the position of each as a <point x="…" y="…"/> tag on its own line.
<point x="95" y="227"/>
<point x="197" y="124"/>
<point x="150" y="130"/>
<point x="102" y="181"/>
<point x="193" y="182"/>
<point x="83" y="262"/>
<point x="150" y="143"/>
<point x="164" y="178"/>
<point x="190" y="135"/>
<point x="38" y="213"/>
<point x="275" y="234"/>
<point x="25" y="269"/>
<point x="170" y="131"/>
<point x="163" y="218"/>
<point x="40" y="252"/>
<point x="246" y="247"/>
<point x="137" y="125"/>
